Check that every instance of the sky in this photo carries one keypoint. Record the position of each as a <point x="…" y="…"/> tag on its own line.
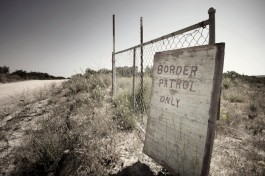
<point x="64" y="37"/>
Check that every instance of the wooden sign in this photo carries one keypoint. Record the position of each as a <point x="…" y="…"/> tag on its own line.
<point x="184" y="108"/>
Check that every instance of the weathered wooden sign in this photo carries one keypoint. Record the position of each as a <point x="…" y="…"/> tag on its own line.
<point x="184" y="108"/>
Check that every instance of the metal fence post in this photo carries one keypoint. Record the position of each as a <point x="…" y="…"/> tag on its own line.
<point x="211" y="13"/>
<point x="134" y="73"/>
<point x="142" y="72"/>
<point x="113" y="75"/>
<point x="113" y="60"/>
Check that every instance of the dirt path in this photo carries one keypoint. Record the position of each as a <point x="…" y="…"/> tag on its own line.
<point x="11" y="90"/>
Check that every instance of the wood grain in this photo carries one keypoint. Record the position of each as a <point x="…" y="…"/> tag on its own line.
<point x="185" y="87"/>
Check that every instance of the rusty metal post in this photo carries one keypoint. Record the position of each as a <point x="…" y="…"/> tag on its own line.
<point x="113" y="59"/>
<point x="211" y="13"/>
<point x="134" y="73"/>
<point x="142" y="69"/>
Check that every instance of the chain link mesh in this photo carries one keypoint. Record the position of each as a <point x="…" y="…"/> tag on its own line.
<point x="138" y="96"/>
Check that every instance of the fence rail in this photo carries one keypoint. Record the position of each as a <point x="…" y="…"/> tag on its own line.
<point x="190" y="28"/>
<point x="132" y="67"/>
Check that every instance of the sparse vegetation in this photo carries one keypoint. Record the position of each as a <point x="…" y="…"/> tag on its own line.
<point x="76" y="135"/>
<point x="77" y="129"/>
<point x="239" y="138"/>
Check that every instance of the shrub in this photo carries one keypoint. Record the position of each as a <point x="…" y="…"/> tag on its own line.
<point x="125" y="71"/>
<point x="97" y="95"/>
<point x="106" y="78"/>
<point x="47" y="147"/>
<point x="253" y="110"/>
<point x="235" y="99"/>
<point x="4" y="69"/>
<point x="87" y="83"/>
<point x="41" y="94"/>
<point x="232" y="74"/>
<point x="20" y="73"/>
<point x="225" y="83"/>
<point x="76" y="84"/>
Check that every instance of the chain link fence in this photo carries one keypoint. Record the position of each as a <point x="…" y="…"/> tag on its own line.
<point x="133" y="68"/>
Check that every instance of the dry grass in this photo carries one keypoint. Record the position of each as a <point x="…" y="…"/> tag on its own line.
<point x="125" y="114"/>
<point x="239" y="144"/>
<point x="74" y="133"/>
<point x="76" y="129"/>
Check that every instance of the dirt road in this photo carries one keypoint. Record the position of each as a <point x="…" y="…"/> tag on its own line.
<point x="9" y="91"/>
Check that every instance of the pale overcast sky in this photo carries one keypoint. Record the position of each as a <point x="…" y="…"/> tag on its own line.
<point x="63" y="37"/>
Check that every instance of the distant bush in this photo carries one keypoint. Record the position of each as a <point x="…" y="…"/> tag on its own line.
<point x="90" y="71"/>
<point x="104" y="71"/>
<point x="148" y="71"/>
<point x="5" y="78"/>
<point x="18" y="75"/>
<point x="126" y="71"/>
<point x="4" y="70"/>
<point x="251" y="79"/>
<point x="232" y="74"/>
<point x="34" y="75"/>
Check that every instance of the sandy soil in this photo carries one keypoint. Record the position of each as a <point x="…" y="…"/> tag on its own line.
<point x="10" y="90"/>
